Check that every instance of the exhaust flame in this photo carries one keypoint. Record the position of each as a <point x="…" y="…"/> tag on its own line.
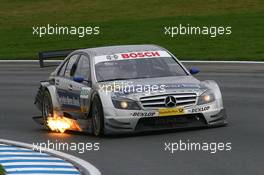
<point x="61" y="124"/>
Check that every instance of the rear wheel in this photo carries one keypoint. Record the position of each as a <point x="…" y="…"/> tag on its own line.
<point x="97" y="117"/>
<point x="47" y="108"/>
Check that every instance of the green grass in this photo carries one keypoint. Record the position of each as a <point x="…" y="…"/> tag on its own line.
<point x="135" y="22"/>
<point x="2" y="172"/>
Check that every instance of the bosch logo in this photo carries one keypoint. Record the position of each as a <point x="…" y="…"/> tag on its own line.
<point x="170" y="101"/>
<point x="140" y="54"/>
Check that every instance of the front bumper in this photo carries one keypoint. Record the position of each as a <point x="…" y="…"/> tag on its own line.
<point x="196" y="120"/>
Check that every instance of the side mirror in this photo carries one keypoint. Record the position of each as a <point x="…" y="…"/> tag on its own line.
<point x="78" y="79"/>
<point x="194" y="71"/>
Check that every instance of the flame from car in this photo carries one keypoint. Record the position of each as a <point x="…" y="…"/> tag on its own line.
<point x="61" y="124"/>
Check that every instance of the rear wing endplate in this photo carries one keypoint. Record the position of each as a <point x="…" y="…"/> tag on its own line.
<point x="53" y="54"/>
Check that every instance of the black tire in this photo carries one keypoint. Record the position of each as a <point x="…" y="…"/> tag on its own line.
<point x="47" y="107"/>
<point x="97" y="117"/>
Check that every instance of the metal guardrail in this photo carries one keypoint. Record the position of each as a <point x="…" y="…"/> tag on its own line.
<point x="53" y="54"/>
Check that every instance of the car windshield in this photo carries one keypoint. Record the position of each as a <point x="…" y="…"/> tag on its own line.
<point x="138" y="68"/>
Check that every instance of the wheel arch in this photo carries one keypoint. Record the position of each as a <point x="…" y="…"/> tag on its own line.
<point x="94" y="94"/>
<point x="54" y="96"/>
<point x="45" y="86"/>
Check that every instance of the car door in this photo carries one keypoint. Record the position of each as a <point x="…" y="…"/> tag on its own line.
<point x="81" y="83"/>
<point x="63" y="84"/>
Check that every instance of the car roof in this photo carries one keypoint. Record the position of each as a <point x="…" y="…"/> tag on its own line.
<point x="110" y="50"/>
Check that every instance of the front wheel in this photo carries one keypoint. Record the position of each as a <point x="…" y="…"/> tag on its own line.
<point x="97" y="117"/>
<point x="47" y="108"/>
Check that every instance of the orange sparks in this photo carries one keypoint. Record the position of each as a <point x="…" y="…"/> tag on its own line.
<point x="61" y="124"/>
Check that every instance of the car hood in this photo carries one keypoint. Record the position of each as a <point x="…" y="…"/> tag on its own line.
<point x="136" y="88"/>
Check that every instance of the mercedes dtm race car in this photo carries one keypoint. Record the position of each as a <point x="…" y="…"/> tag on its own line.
<point x="130" y="88"/>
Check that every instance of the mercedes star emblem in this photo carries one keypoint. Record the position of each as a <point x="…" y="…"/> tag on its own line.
<point x="170" y="101"/>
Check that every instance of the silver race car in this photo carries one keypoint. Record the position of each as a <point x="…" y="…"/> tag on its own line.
<point x="130" y="88"/>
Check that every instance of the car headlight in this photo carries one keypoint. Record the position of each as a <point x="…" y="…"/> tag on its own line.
<point x="206" y="97"/>
<point x="125" y="104"/>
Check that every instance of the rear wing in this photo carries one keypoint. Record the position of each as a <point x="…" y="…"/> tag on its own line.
<point x="53" y="54"/>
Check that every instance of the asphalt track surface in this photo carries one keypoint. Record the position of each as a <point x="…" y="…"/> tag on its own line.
<point x="243" y="93"/>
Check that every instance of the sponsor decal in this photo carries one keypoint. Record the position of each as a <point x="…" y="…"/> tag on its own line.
<point x="171" y="111"/>
<point x="143" y="114"/>
<point x="131" y="55"/>
<point x="140" y="54"/>
<point x="66" y="100"/>
<point x="202" y="109"/>
<point x="85" y="91"/>
<point x="112" y="57"/>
